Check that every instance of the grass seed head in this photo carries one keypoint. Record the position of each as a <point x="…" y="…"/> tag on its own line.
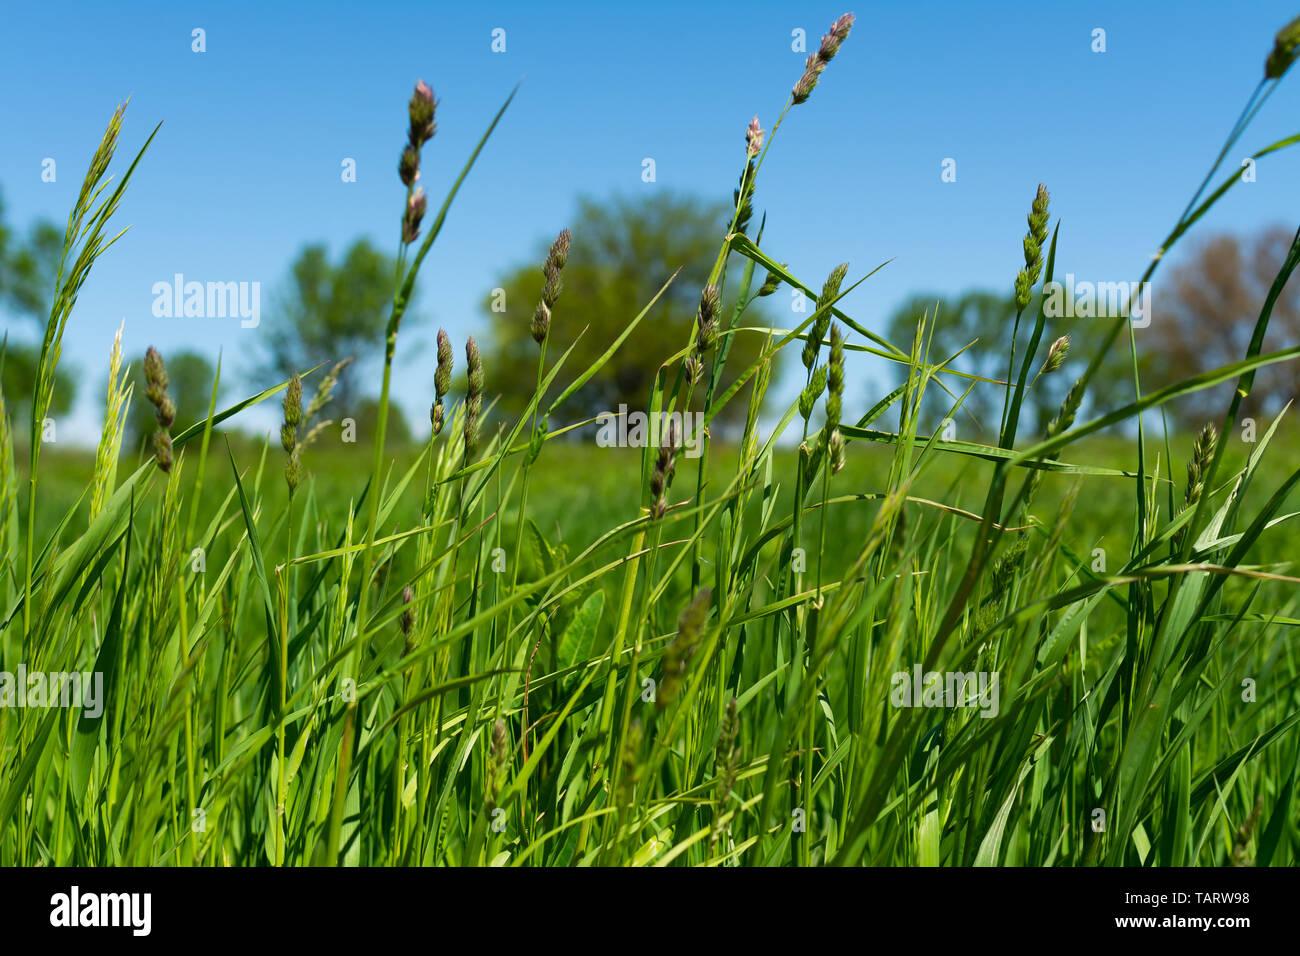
<point x="474" y="376"/>
<point x="442" y="377"/>
<point x="289" y="431"/>
<point x="835" y="449"/>
<point x="1069" y="408"/>
<point x="1202" y="454"/>
<point x="726" y="764"/>
<point x="416" y="204"/>
<point x="421" y="130"/>
<point x="554" y="284"/>
<point x="630" y="762"/>
<point x="554" y="265"/>
<point x="110" y="440"/>
<point x="107" y="146"/>
<point x="1285" y="48"/>
<point x="318" y="401"/>
<point x="835" y="378"/>
<point x="473" y="396"/>
<point x="1001" y="576"/>
<point x="822" y="317"/>
<point x="707" y="320"/>
<point x="835" y="401"/>
<point x="408" y="166"/>
<point x="293" y="402"/>
<point x="325" y="391"/>
<point x="813" y="67"/>
<point x="1056" y="354"/>
<point x="753" y="137"/>
<point x="1006" y="566"/>
<point x="541" y="324"/>
<point x="498" y="755"/>
<point x="162" y="449"/>
<point x="441" y="381"/>
<point x="499" y="741"/>
<point x="422" y="109"/>
<point x="812" y="391"/>
<point x="839" y="32"/>
<point x="742" y="197"/>
<point x="155" y="374"/>
<point x="293" y="472"/>
<point x="1034" y="240"/>
<point x="817" y="61"/>
<point x="770" y="284"/>
<point x="1038" y="216"/>
<point x="665" y="466"/>
<point x="406" y="623"/>
<point x="728" y="737"/>
<point x="690" y="628"/>
<point x="694" y="368"/>
<point x="559" y="254"/>
<point x="1241" y="839"/>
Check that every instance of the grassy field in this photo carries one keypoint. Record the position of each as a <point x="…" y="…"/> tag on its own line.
<point x="838" y="639"/>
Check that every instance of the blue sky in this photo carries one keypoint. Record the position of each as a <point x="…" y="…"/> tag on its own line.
<point x="246" y="168"/>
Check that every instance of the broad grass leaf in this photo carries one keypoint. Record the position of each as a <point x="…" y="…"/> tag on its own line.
<point x="577" y="640"/>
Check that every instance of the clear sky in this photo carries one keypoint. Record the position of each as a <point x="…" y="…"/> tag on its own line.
<point x="246" y="168"/>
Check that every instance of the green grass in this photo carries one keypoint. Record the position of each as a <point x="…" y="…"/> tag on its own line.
<point x="506" y="652"/>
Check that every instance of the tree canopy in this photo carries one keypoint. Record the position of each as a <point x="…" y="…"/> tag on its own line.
<point x="1205" y="315"/>
<point x="28" y="267"/>
<point x="623" y="251"/>
<point x="329" y="311"/>
<point x="1202" y="317"/>
<point x="988" y="318"/>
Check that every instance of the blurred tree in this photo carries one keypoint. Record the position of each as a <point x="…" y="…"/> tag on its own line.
<point x="28" y="271"/>
<point x="328" y="312"/>
<point x="1207" y="317"/>
<point x="189" y="377"/>
<point x="989" y="317"/>
<point x="365" y="415"/>
<point x="19" y="384"/>
<point x="623" y="252"/>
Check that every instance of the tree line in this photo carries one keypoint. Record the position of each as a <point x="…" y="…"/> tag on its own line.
<point x="330" y="307"/>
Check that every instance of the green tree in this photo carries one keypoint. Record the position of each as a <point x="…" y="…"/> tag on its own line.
<point x="327" y="312"/>
<point x="987" y="319"/>
<point x="1205" y="313"/>
<point x="18" y="381"/>
<point x="365" y="416"/>
<point x="28" y="269"/>
<point x="623" y="252"/>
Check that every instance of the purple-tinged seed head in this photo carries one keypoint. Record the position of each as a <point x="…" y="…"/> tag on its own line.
<point x="422" y="110"/>
<point x="839" y="32"/>
<point x="753" y="137"/>
<point x="415" y="208"/>
<point x="817" y="61"/>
